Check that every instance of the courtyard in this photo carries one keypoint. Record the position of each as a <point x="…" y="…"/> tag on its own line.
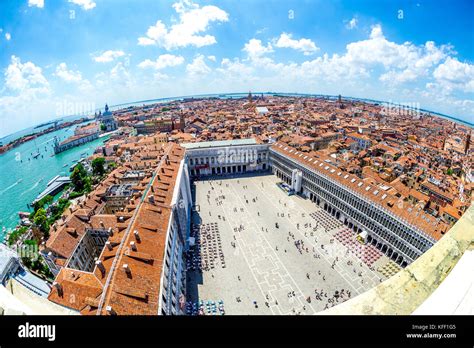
<point x="260" y="251"/>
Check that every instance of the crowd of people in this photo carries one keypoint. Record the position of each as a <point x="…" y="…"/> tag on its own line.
<point x="205" y="307"/>
<point x="303" y="245"/>
<point x="207" y="252"/>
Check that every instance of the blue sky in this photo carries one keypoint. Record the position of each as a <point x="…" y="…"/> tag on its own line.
<point x="61" y="57"/>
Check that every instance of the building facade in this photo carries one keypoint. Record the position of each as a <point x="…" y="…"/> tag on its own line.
<point x="73" y="141"/>
<point x="107" y="120"/>
<point x="88" y="249"/>
<point x="173" y="277"/>
<point x="88" y="129"/>
<point x="117" y="197"/>
<point x="362" y="141"/>
<point x="397" y="239"/>
<point x="226" y="157"/>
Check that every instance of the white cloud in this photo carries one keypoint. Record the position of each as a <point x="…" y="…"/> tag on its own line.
<point x="145" y="41"/>
<point x="333" y="68"/>
<point x="8" y="36"/>
<point x="399" y="62"/>
<point x="118" y="84"/>
<point x="212" y="58"/>
<point x="73" y="77"/>
<point x="235" y="69"/>
<point x="306" y="46"/>
<point x="108" y="56"/>
<point x="440" y="99"/>
<point x="198" y="66"/>
<point x="67" y="75"/>
<point x="21" y="77"/>
<point x="402" y="62"/>
<point x="455" y="75"/>
<point x="363" y="62"/>
<point x="24" y="86"/>
<point x="378" y="50"/>
<point x="255" y="49"/>
<point x="330" y="68"/>
<point x="163" y="61"/>
<point x="396" y="77"/>
<point x="352" y="24"/>
<point x="119" y="72"/>
<point x="454" y="71"/>
<point x="37" y="3"/>
<point x="193" y="21"/>
<point x="418" y="63"/>
<point x="85" y="4"/>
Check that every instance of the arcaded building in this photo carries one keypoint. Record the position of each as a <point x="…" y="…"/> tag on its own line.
<point x="401" y="230"/>
<point x="226" y="157"/>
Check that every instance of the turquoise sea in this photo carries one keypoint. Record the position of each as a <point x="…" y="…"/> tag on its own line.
<point x="22" y="177"/>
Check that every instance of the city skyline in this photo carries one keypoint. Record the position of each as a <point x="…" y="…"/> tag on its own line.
<point x="85" y="52"/>
<point x="223" y="158"/>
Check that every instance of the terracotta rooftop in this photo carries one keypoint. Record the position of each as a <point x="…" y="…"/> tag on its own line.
<point x="138" y="292"/>
<point x="108" y="284"/>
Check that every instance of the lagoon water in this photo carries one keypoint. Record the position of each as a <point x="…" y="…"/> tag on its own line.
<point x="22" y="177"/>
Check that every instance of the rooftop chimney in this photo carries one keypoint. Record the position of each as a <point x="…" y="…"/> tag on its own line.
<point x="111" y="233"/>
<point x="102" y="224"/>
<point x="151" y="199"/>
<point x="58" y="287"/>
<point x="108" y="245"/>
<point x="137" y="235"/>
<point x="100" y="266"/>
<point x="133" y="246"/>
<point x="110" y="311"/>
<point x="126" y="269"/>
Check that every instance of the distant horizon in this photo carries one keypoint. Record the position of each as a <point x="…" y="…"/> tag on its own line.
<point x="439" y="114"/>
<point x="66" y="57"/>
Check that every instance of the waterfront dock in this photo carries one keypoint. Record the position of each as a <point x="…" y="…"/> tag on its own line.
<point x="53" y="187"/>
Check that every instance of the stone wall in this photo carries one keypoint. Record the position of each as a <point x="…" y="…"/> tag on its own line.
<point x="409" y="288"/>
<point x="15" y="299"/>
